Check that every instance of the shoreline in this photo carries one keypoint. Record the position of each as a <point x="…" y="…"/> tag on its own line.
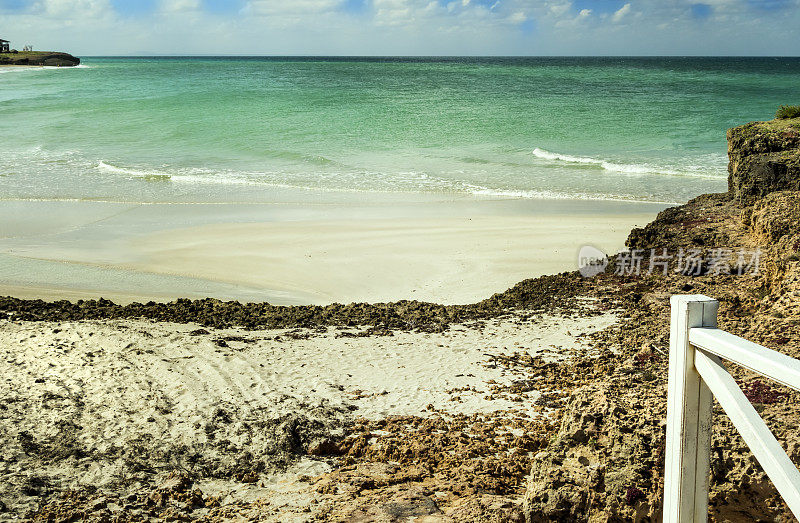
<point x="551" y="375"/>
<point x="441" y="251"/>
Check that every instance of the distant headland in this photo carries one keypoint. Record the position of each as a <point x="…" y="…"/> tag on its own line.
<point x="10" y="56"/>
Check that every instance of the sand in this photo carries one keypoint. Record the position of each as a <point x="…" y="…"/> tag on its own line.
<point x="444" y="251"/>
<point x="447" y="260"/>
<point x="112" y="403"/>
<point x="117" y="405"/>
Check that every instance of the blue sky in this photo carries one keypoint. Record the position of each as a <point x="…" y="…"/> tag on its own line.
<point x="406" y="27"/>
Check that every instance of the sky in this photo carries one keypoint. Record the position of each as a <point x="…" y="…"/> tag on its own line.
<point x="404" y="27"/>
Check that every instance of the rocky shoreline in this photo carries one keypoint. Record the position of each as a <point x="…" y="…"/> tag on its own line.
<point x="594" y="449"/>
<point x="607" y="459"/>
<point x="545" y="293"/>
<point x="39" y="58"/>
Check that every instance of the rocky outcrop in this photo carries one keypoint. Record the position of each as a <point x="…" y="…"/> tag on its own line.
<point x="543" y="293"/>
<point x="764" y="157"/>
<point x="774" y="221"/>
<point x="606" y="462"/>
<point x="46" y="59"/>
<point x="775" y="218"/>
<point x="604" y="459"/>
<point x="700" y="223"/>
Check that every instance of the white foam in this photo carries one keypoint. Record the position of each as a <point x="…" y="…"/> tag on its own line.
<point x="547" y="155"/>
<point x="14" y="68"/>
<point x="551" y="195"/>
<point x="209" y="177"/>
<point x="32" y="68"/>
<point x="105" y="167"/>
<point x="622" y="168"/>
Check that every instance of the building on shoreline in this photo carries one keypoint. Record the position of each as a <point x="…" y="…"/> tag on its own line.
<point x="5" y="46"/>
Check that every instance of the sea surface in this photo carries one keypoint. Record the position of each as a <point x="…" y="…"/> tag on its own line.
<point x="218" y="130"/>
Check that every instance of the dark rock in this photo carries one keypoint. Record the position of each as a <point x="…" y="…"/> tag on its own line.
<point x="48" y="59"/>
<point x="764" y="157"/>
<point x="415" y="506"/>
<point x="694" y="225"/>
<point x="323" y="447"/>
<point x="546" y="292"/>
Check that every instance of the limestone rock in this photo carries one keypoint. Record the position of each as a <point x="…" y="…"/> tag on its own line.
<point x="604" y="459"/>
<point x="323" y="447"/>
<point x="764" y="157"/>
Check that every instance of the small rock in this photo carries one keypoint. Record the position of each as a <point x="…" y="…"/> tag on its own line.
<point x="323" y="447"/>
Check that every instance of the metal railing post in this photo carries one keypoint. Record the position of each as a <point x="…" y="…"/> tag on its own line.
<point x="689" y="403"/>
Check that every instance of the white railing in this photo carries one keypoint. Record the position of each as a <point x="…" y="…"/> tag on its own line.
<point x="696" y="373"/>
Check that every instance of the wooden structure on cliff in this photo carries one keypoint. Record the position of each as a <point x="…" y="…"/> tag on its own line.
<point x="5" y="46"/>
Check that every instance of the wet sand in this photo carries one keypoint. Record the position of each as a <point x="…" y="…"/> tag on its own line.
<point x="293" y="253"/>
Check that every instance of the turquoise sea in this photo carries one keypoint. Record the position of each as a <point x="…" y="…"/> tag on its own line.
<point x="245" y="129"/>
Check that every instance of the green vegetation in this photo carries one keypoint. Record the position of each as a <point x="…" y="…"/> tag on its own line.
<point x="788" y="111"/>
<point x="23" y="55"/>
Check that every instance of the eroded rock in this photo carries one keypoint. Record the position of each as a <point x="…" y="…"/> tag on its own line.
<point x="764" y="157"/>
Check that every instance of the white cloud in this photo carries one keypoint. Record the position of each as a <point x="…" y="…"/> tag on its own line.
<point x="560" y="9"/>
<point x="571" y="23"/>
<point x="292" y="8"/>
<point x="623" y="11"/>
<point x="180" y="6"/>
<point x="518" y="18"/>
<point x="407" y="27"/>
<point x="404" y="12"/>
<point x="72" y="9"/>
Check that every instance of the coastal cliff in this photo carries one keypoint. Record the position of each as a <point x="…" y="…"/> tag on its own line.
<point x="606" y="461"/>
<point x="764" y="157"/>
<point x="40" y="58"/>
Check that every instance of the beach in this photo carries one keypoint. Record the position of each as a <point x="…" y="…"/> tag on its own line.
<point x="210" y="410"/>
<point x="357" y="249"/>
<point x="347" y="289"/>
<point x="176" y="393"/>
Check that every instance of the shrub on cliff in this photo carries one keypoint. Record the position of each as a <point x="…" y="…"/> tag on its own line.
<point x="788" y="111"/>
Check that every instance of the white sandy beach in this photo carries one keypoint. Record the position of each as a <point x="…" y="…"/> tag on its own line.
<point x="443" y="251"/>
<point x="110" y="385"/>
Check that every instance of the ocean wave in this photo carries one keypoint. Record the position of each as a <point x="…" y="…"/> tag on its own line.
<point x="15" y="69"/>
<point x="32" y="68"/>
<point x="200" y="176"/>
<point x="633" y="168"/>
<point x="147" y="174"/>
<point x="552" y="195"/>
<point x="547" y="155"/>
<point x="422" y="182"/>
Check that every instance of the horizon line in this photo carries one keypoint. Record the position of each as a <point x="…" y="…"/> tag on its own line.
<point x="203" y="55"/>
